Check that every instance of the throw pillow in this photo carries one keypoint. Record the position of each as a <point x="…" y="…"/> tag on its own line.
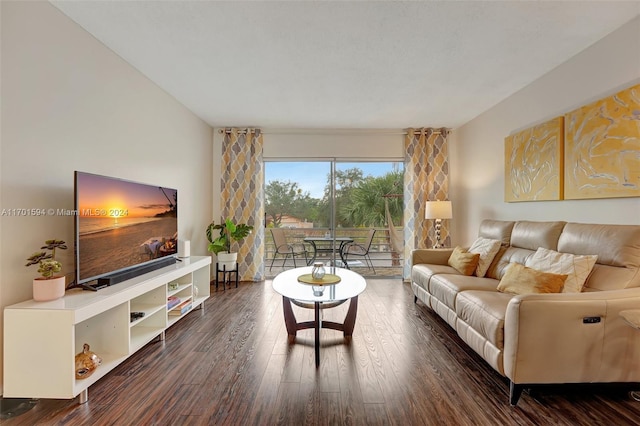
<point x="518" y="279"/>
<point x="487" y="250"/>
<point x="577" y="267"/>
<point x="463" y="261"/>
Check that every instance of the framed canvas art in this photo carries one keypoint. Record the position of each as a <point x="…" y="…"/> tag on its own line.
<point x="533" y="163"/>
<point x="602" y="148"/>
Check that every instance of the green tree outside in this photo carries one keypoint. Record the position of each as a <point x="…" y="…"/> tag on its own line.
<point x="360" y="201"/>
<point x="288" y="199"/>
<point x="365" y="206"/>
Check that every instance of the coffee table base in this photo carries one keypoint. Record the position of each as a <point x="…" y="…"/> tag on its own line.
<point x="293" y="325"/>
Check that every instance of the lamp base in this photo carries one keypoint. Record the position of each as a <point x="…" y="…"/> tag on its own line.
<point x="438" y="244"/>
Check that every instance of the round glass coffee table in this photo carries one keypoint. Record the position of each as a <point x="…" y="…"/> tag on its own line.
<point x="317" y="298"/>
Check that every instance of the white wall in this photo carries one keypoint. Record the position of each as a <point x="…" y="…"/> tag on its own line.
<point x="69" y="103"/>
<point x="477" y="148"/>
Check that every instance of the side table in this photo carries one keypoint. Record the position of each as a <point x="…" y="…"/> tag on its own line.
<point x="226" y="275"/>
<point x="632" y="318"/>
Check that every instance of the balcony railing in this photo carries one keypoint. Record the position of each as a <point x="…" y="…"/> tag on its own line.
<point x="385" y="260"/>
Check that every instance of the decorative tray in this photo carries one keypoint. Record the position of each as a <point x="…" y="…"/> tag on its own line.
<point x="328" y="279"/>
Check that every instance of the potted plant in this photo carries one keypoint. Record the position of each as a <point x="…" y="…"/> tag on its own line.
<point x="49" y="286"/>
<point x="221" y="245"/>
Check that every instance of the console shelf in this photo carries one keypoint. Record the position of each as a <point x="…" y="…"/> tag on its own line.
<point x="42" y="338"/>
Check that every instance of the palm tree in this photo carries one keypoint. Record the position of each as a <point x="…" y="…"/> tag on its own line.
<point x="366" y="206"/>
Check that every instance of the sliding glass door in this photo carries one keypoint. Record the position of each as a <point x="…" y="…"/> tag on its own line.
<point x="336" y="212"/>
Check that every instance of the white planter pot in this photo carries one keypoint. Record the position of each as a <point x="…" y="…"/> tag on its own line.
<point x="227" y="260"/>
<point x="51" y="289"/>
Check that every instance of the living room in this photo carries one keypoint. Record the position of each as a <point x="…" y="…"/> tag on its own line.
<point x="71" y="103"/>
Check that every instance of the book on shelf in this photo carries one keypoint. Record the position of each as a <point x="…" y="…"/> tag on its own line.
<point x="181" y="308"/>
<point x="173" y="301"/>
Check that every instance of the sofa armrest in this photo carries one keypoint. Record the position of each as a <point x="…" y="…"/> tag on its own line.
<point x="571" y="338"/>
<point x="431" y="256"/>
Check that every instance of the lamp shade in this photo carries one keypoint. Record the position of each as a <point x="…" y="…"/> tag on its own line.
<point x="438" y="210"/>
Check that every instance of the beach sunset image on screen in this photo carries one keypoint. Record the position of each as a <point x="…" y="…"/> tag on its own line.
<point x="121" y="224"/>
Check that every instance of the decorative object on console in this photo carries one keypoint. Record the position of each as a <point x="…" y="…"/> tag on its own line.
<point x="533" y="160"/>
<point x="136" y="315"/>
<point x="181" y="309"/>
<point x="438" y="210"/>
<point x="184" y="249"/>
<point x="173" y="301"/>
<point x="48" y="287"/>
<point x="602" y="148"/>
<point x="86" y="362"/>
<point x="221" y="245"/>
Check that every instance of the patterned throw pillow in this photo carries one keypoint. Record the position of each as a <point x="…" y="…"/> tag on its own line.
<point x="577" y="267"/>
<point x="487" y="249"/>
<point x="518" y="279"/>
<point x="463" y="262"/>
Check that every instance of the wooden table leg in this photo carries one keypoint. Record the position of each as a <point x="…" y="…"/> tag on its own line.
<point x="350" y="319"/>
<point x="318" y="326"/>
<point x="293" y="326"/>
<point x="289" y="319"/>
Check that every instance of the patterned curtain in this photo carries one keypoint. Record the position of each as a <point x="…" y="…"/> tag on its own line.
<point x="242" y="196"/>
<point x="426" y="178"/>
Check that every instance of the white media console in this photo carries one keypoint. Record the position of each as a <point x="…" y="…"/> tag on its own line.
<point x="41" y="339"/>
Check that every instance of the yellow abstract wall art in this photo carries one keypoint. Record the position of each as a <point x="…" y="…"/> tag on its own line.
<point x="533" y="163"/>
<point x="602" y="148"/>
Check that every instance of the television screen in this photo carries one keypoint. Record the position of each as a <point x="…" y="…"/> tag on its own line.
<point x="121" y="225"/>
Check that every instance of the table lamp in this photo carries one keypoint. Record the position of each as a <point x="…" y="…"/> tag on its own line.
<point x="438" y="210"/>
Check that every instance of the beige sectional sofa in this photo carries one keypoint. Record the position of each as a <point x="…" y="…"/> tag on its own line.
<point x="543" y="338"/>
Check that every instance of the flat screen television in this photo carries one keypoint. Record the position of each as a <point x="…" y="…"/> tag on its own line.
<point x="122" y="228"/>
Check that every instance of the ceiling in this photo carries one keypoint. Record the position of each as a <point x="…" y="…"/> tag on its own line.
<point x="365" y="64"/>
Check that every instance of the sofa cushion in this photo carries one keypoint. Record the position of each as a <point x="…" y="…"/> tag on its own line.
<point x="484" y="311"/>
<point x="531" y="235"/>
<point x="615" y="245"/>
<point x="496" y="230"/>
<point x="445" y="287"/>
<point x="430" y="256"/>
<point x="607" y="278"/>
<point x="463" y="261"/>
<point x="576" y="267"/>
<point x="522" y="280"/>
<point x="421" y="274"/>
<point x="487" y="249"/>
<point x="618" y="250"/>
<point x="506" y="256"/>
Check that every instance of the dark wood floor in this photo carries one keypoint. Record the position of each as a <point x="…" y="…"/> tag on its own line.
<point x="404" y="366"/>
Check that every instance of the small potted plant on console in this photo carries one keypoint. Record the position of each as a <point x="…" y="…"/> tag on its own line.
<point x="48" y="286"/>
<point x="221" y="245"/>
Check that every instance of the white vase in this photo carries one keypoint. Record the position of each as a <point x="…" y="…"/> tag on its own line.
<point x="48" y="289"/>
<point x="227" y="260"/>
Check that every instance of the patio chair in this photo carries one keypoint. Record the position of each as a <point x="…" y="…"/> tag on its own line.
<point x="355" y="249"/>
<point x="286" y="249"/>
